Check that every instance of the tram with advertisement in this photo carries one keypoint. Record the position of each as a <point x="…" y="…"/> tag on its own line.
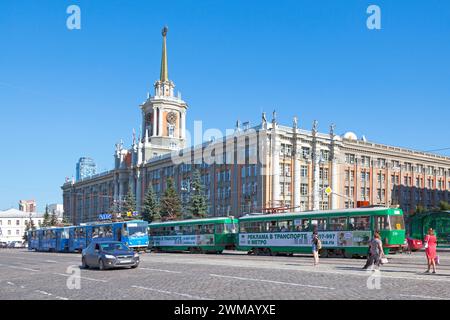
<point x="76" y="238"/>
<point x="343" y="233"/>
<point x="209" y="235"/>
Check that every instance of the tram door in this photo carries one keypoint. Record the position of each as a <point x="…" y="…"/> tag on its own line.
<point x="58" y="235"/>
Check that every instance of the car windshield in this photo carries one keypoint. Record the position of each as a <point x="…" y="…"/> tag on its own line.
<point x="136" y="230"/>
<point x="113" y="246"/>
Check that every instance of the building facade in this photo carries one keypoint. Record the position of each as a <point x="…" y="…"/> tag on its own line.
<point x="13" y="224"/>
<point x="86" y="168"/>
<point x="256" y="168"/>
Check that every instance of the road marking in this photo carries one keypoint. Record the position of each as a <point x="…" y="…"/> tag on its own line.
<point x="423" y="297"/>
<point x="10" y="283"/>
<point x="85" y="278"/>
<point x="271" y="281"/>
<point x="160" y="270"/>
<point x="172" y="293"/>
<point x="21" y="268"/>
<point x="384" y="275"/>
<point x="50" y="295"/>
<point x="51" y="261"/>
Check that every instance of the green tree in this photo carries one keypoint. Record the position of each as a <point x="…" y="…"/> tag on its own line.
<point x="65" y="220"/>
<point x="53" y="219"/>
<point x="129" y="203"/>
<point x="32" y="225"/>
<point x="150" y="209"/>
<point x="170" y="203"/>
<point x="197" y="204"/>
<point x="46" y="221"/>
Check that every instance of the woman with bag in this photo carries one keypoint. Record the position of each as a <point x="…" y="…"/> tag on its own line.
<point x="376" y="253"/>
<point x="430" y="250"/>
<point x="316" y="246"/>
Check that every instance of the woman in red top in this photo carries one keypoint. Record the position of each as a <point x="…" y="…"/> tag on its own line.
<point x="430" y="250"/>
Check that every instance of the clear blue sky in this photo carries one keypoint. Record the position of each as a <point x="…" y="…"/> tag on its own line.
<point x="66" y="94"/>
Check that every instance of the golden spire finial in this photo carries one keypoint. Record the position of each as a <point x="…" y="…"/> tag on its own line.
<point x="164" y="70"/>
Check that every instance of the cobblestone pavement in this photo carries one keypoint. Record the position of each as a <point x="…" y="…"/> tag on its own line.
<point x="229" y="276"/>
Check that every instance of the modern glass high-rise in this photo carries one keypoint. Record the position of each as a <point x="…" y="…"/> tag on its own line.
<point x="86" y="167"/>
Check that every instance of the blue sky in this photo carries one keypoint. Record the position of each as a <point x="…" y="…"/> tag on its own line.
<point x="66" y="94"/>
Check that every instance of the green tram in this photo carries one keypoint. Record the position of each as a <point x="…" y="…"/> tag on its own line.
<point x="343" y="233"/>
<point x="210" y="235"/>
<point x="439" y="221"/>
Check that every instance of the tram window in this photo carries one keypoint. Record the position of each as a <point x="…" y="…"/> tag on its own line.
<point x="65" y="234"/>
<point x="285" y="226"/>
<point x="318" y="224"/>
<point x="359" y="223"/>
<point x="271" y="226"/>
<point x="397" y="222"/>
<point x="302" y="225"/>
<point x="208" y="228"/>
<point x="230" y="228"/>
<point x="337" y="224"/>
<point x="124" y="230"/>
<point x="220" y="228"/>
<point x="382" y="223"/>
<point x="198" y="229"/>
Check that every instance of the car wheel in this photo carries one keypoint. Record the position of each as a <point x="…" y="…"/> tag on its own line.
<point x="84" y="264"/>
<point x="101" y="264"/>
<point x="135" y="266"/>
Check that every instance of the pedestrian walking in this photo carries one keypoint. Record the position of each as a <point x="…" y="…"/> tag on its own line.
<point x="430" y="250"/>
<point x="375" y="253"/>
<point x="316" y="246"/>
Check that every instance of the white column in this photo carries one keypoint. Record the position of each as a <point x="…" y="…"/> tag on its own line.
<point x="297" y="182"/>
<point x="183" y="125"/>
<point x="154" y="122"/>
<point x="160" y="122"/>
<point x="334" y="184"/>
<point x="316" y="194"/>
<point x="275" y="170"/>
<point x="138" y="190"/>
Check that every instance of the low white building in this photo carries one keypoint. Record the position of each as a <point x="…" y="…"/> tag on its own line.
<point x="13" y="223"/>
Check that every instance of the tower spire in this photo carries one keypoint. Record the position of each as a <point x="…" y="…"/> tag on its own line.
<point x="164" y="70"/>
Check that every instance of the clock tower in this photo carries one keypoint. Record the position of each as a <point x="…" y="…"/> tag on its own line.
<point x="163" y="115"/>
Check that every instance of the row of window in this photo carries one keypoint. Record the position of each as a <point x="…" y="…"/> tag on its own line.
<point x="360" y="223"/>
<point x="365" y="161"/>
<point x="17" y="222"/>
<point x="307" y="225"/>
<point x="9" y="232"/>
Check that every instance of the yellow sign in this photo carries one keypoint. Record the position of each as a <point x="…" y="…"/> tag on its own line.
<point x="328" y="191"/>
<point x="128" y="214"/>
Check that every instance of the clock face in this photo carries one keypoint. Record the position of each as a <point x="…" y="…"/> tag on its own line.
<point x="171" y="118"/>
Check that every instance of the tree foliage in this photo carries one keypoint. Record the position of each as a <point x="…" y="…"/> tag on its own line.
<point x="129" y="203"/>
<point x="46" y="220"/>
<point x="197" y="205"/>
<point x="170" y="203"/>
<point x="150" y="209"/>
